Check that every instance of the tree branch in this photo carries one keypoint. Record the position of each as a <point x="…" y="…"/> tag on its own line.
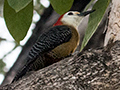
<point x="95" y="69"/>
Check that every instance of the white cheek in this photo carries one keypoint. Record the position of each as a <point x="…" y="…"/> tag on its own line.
<point x="71" y="20"/>
<point x="68" y="19"/>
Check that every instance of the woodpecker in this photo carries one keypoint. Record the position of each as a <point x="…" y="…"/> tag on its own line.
<point x="58" y="42"/>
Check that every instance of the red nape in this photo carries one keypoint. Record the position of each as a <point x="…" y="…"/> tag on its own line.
<point x="58" y="21"/>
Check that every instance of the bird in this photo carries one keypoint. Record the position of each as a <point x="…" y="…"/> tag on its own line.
<point x="58" y="42"/>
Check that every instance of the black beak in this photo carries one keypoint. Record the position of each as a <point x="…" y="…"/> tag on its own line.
<point x="85" y="13"/>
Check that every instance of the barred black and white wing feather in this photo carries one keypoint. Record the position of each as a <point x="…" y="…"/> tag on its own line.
<point x="49" y="40"/>
<point x="46" y="42"/>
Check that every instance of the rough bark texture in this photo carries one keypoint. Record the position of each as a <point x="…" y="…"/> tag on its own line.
<point x="90" y="70"/>
<point x="113" y="32"/>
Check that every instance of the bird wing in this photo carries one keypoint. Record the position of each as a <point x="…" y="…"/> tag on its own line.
<point x="49" y="40"/>
<point x="45" y="43"/>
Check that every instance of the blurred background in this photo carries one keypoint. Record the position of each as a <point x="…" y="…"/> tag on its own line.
<point x="9" y="50"/>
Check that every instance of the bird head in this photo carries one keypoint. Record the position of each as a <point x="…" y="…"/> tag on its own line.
<point x="72" y="18"/>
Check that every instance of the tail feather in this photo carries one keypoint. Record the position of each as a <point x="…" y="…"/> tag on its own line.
<point x="21" y="73"/>
<point x="31" y="65"/>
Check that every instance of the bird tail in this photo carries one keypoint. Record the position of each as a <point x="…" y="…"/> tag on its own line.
<point x="21" y="73"/>
<point x="31" y="65"/>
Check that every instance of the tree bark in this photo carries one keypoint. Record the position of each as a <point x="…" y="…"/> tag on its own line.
<point x="113" y="32"/>
<point x="90" y="70"/>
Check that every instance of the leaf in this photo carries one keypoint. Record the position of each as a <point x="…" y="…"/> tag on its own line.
<point x="18" y="23"/>
<point x="89" y="5"/>
<point x="17" y="5"/>
<point x="94" y="20"/>
<point x="2" y="64"/>
<point x="61" y="6"/>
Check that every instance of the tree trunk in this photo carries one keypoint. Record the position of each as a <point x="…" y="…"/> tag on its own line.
<point x="113" y="32"/>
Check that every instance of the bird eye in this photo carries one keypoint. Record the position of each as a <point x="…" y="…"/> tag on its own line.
<point x="70" y="13"/>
